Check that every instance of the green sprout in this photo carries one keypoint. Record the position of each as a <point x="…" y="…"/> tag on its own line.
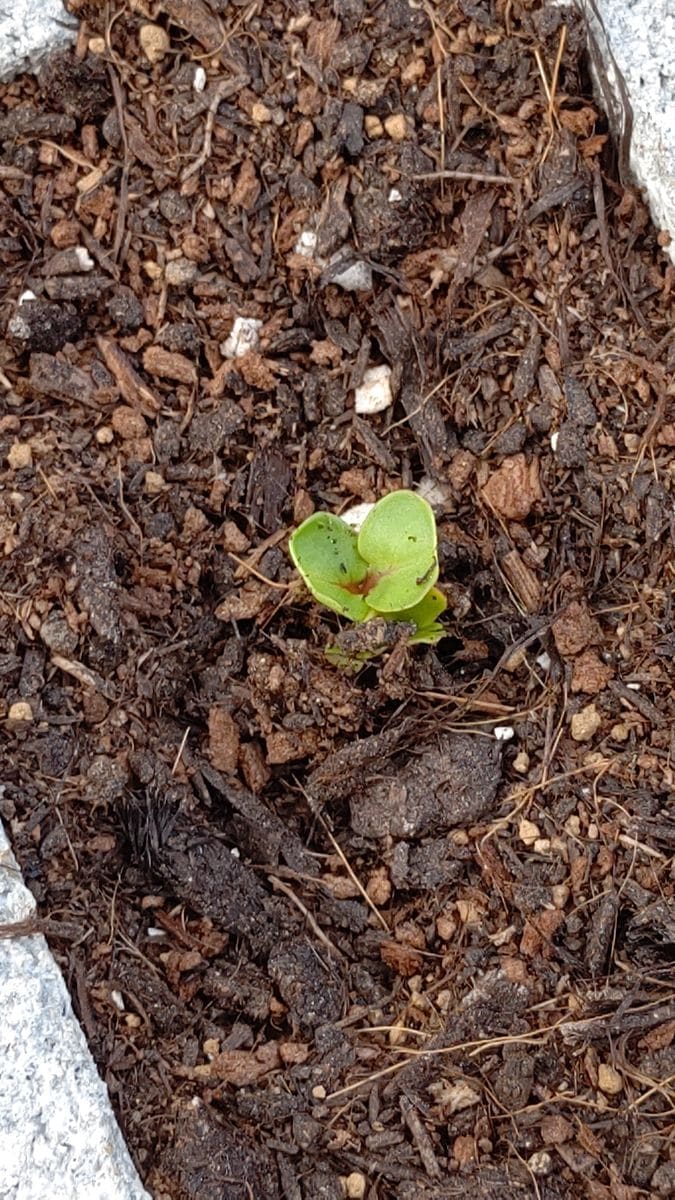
<point x="387" y="569"/>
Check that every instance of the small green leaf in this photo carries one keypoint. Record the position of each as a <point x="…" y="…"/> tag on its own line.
<point x="324" y="549"/>
<point x="398" y="541"/>
<point x="425" y="613"/>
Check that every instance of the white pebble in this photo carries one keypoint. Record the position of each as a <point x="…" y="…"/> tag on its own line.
<point x="27" y="295"/>
<point x="554" y="441"/>
<point x="84" y="260"/>
<point x="118" y="1000"/>
<point x="394" y="196"/>
<point x="306" y="244"/>
<point x="243" y="338"/>
<point x="544" y="661"/>
<point x="374" y="394"/>
<point x="199" y="81"/>
<point x="504" y="733"/>
<point x="540" y="1163"/>
<point x="354" y="517"/>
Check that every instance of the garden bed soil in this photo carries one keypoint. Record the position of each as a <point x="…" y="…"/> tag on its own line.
<point x="407" y="930"/>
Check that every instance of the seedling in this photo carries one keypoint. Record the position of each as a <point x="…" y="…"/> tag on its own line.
<point x="388" y="568"/>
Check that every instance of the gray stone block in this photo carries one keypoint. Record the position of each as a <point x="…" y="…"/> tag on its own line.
<point x="29" y="31"/>
<point x="58" y="1134"/>
<point x="631" y="46"/>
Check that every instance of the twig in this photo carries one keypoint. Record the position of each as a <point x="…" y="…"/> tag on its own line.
<point x="472" y="1048"/>
<point x="222" y="90"/>
<point x="280" y="587"/>
<point x="180" y="750"/>
<point x="279" y="886"/>
<point x="123" y="202"/>
<point x="479" y="176"/>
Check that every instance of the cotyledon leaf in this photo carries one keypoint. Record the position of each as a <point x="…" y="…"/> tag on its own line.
<point x="398" y="542"/>
<point x="324" y="549"/>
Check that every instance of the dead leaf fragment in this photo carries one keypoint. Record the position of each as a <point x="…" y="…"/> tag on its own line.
<point x="286" y="745"/>
<point x="243" y="605"/>
<point x="247" y="187"/>
<point x="223" y="748"/>
<point x="402" y="959"/>
<point x="591" y="674"/>
<point x="196" y="17"/>
<point x="257" y="371"/>
<point x="241" y="1068"/>
<point x="514" y="488"/>
<point x="464" y="1149"/>
<point x="574" y="630"/>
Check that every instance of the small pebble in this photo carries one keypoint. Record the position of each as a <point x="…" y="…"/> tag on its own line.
<point x="540" y="1163"/>
<point x="180" y="271"/>
<point x="260" y="113"/>
<point x="354" y="517"/>
<point x="199" y="81"/>
<point x="20" y="711"/>
<point x="19" y="456"/>
<point x="521" y="762"/>
<point x="154" y="42"/>
<point x="528" y="832"/>
<point x="585" y="724"/>
<point x="373" y="126"/>
<point x="396" y="127"/>
<point x="244" y="338"/>
<point x="306" y="244"/>
<point x="542" y="846"/>
<point x="374" y="394"/>
<point x="153" y="483"/>
<point x="504" y="733"/>
<point x="353" y="276"/>
<point x="609" y="1080"/>
<point x="355" y="1186"/>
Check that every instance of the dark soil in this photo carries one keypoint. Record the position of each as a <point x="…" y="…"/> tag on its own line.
<point x="406" y="932"/>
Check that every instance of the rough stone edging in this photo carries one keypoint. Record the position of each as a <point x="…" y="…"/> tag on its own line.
<point x="58" y="1133"/>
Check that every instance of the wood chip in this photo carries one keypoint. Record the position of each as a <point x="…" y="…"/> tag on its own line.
<point x="131" y="386"/>
<point x="223" y="748"/>
<point x="165" y="364"/>
<point x="523" y="581"/>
